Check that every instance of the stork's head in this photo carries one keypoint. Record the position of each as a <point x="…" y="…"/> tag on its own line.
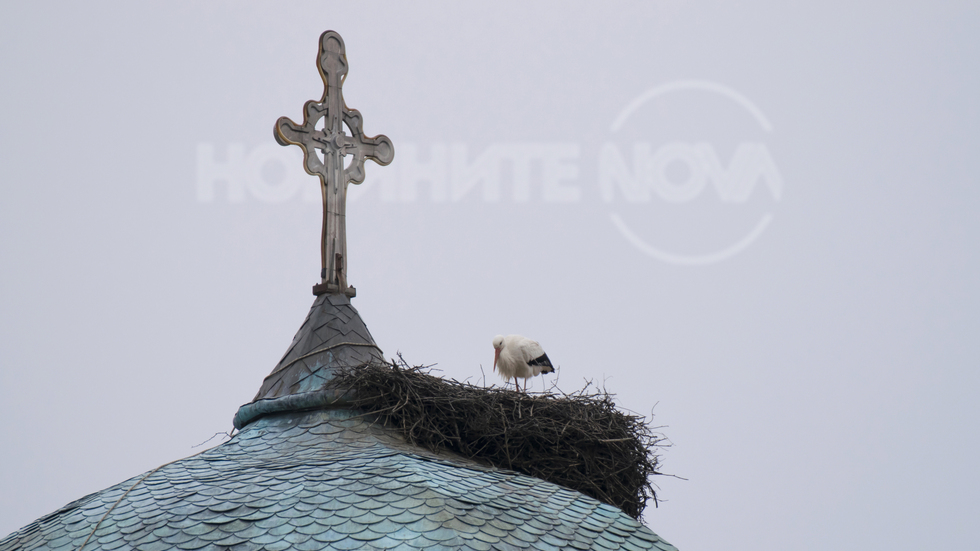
<point x="498" y="343"/>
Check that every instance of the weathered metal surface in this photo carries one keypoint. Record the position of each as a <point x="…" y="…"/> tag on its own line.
<point x="329" y="137"/>
<point x="332" y="334"/>
<point x="330" y="479"/>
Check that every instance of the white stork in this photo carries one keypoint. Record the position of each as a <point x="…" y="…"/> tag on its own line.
<point x="519" y="357"/>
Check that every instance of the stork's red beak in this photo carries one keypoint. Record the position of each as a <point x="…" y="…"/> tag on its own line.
<point x="496" y="355"/>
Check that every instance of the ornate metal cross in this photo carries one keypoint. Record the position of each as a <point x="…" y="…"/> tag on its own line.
<point x="329" y="138"/>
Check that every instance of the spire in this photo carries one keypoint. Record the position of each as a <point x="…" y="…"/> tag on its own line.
<point x="333" y="334"/>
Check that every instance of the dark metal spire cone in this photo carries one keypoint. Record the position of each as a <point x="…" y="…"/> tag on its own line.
<point x="332" y="335"/>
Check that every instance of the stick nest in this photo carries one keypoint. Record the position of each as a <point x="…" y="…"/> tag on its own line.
<point x="579" y="440"/>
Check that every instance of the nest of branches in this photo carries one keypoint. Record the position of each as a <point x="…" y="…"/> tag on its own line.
<point x="579" y="440"/>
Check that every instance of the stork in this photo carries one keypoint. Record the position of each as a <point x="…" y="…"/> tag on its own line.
<point x="519" y="357"/>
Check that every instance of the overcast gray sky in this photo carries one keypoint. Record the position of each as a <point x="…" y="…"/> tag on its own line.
<point x="760" y="219"/>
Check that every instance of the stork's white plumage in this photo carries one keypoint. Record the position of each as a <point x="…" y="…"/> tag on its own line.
<point x="519" y="356"/>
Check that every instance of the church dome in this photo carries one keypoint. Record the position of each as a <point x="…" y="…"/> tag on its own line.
<point x="307" y="473"/>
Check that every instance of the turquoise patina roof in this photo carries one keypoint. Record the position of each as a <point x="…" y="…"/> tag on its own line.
<point x="322" y="476"/>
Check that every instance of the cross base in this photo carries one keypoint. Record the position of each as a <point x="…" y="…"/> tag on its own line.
<point x="333" y="288"/>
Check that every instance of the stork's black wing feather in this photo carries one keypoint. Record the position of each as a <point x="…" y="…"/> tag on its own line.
<point x="544" y="362"/>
